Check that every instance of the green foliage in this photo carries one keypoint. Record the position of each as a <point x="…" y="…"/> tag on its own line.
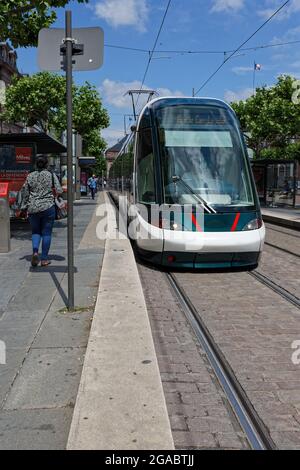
<point x="270" y="117"/>
<point x="88" y="112"/>
<point x="290" y="152"/>
<point x="93" y="144"/>
<point x="41" y="100"/>
<point x="101" y="166"/>
<point x="21" y="20"/>
<point x="35" y="100"/>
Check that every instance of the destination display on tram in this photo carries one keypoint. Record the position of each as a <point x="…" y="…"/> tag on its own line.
<point x="178" y="116"/>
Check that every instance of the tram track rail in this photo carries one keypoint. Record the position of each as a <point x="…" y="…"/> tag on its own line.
<point x="265" y="280"/>
<point x="254" y="429"/>
<point x="284" y="250"/>
<point x="293" y="233"/>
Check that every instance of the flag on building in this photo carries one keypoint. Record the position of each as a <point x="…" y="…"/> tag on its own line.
<point x="257" y="66"/>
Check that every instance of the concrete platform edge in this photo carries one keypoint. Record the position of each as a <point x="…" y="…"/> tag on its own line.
<point x="120" y="403"/>
<point x="277" y="220"/>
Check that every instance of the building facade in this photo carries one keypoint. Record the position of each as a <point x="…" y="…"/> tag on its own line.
<point x="112" y="153"/>
<point x="8" y="68"/>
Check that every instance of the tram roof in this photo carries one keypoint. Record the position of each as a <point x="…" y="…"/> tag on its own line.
<point x="162" y="101"/>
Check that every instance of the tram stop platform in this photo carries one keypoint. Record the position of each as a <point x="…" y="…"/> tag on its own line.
<point x="282" y="216"/>
<point x="120" y="402"/>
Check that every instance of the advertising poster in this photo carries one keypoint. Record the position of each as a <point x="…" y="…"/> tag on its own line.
<point x="83" y="182"/>
<point x="15" y="164"/>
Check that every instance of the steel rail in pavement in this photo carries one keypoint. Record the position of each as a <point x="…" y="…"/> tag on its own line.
<point x="276" y="288"/>
<point x="255" y="430"/>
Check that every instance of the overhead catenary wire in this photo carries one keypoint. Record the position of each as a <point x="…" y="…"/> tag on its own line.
<point x="153" y="49"/>
<point x="185" y="52"/>
<point x="240" y="47"/>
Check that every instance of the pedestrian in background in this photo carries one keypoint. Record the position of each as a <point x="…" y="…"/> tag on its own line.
<point x="39" y="192"/>
<point x="92" y="183"/>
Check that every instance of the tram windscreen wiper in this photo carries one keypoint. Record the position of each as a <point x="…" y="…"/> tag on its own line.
<point x="200" y="199"/>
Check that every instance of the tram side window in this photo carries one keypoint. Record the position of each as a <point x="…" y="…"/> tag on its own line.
<point x="145" y="168"/>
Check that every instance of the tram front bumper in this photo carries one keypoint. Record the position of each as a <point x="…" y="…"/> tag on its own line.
<point x="212" y="249"/>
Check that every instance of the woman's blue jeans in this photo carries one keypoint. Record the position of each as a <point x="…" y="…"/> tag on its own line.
<point x="42" y="225"/>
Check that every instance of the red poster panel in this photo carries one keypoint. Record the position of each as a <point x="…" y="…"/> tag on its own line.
<point x="16" y="162"/>
<point x="3" y="190"/>
<point x="24" y="155"/>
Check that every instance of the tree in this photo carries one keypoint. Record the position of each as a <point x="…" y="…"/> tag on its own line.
<point x="21" y="20"/>
<point x="93" y="144"/>
<point x="35" y="100"/>
<point x="41" y="100"/>
<point x="87" y="111"/>
<point x="101" y="166"/>
<point x="270" y="117"/>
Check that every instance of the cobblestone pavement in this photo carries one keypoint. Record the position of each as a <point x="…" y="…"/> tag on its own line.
<point x="282" y="237"/>
<point x="255" y="328"/>
<point x="282" y="268"/>
<point x="200" y="416"/>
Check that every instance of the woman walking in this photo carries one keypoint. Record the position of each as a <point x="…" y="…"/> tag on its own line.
<point x="39" y="199"/>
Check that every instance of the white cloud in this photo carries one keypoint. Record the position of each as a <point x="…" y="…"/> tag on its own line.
<point x="290" y="9"/>
<point x="296" y="64"/>
<point x="227" y="5"/>
<point x="168" y="92"/>
<point x="124" y="13"/>
<point x="290" y="35"/>
<point x="113" y="92"/>
<point x="242" y="70"/>
<point x="112" y="136"/>
<point x="231" y="96"/>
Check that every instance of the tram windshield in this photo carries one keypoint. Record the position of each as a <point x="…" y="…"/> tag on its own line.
<point x="202" y="154"/>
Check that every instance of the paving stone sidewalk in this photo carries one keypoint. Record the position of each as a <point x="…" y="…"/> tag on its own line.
<point x="45" y="344"/>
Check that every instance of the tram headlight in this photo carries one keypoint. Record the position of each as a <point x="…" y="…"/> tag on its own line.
<point x="254" y="224"/>
<point x="171" y="225"/>
<point x="166" y="224"/>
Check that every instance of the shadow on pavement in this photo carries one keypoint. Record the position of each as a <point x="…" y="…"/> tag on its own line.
<point x="51" y="258"/>
<point x="52" y="269"/>
<point x="60" y="290"/>
<point x="20" y="230"/>
<point x="82" y="204"/>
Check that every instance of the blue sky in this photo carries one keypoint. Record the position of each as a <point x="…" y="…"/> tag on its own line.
<point x="214" y="25"/>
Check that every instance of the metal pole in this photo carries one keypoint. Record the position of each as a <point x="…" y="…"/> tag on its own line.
<point x="295" y="183"/>
<point x="69" y="72"/>
<point x="254" y="78"/>
<point x="133" y="105"/>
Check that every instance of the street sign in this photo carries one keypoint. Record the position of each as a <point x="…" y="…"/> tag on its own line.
<point x="87" y="41"/>
<point x="70" y="49"/>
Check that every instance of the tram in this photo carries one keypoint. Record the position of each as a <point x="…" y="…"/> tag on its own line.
<point x="186" y="173"/>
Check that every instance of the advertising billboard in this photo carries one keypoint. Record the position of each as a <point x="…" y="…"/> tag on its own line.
<point x="16" y="162"/>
